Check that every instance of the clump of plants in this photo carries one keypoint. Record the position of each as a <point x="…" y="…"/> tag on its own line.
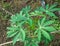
<point x="57" y="24"/>
<point x="32" y="27"/>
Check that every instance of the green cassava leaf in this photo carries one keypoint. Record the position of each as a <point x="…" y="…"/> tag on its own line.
<point x="13" y="19"/>
<point x="34" y="44"/>
<point x="36" y="13"/>
<point x="46" y="35"/>
<point x="13" y="27"/>
<point x="53" y="6"/>
<point x="39" y="35"/>
<point x="26" y="9"/>
<point x="18" y="17"/>
<point x="55" y="9"/>
<point x="47" y="6"/>
<point x="42" y="9"/>
<point x="39" y="23"/>
<point x="23" y="34"/>
<point x="27" y="44"/>
<point x="50" y="29"/>
<point x="16" y="38"/>
<point x="48" y="23"/>
<point x="50" y="14"/>
<point x="11" y="33"/>
<point x="46" y="42"/>
<point x="32" y="13"/>
<point x="43" y="20"/>
<point x="30" y="21"/>
<point x="36" y="32"/>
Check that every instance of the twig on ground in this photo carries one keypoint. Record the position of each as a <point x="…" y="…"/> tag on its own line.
<point x="6" y="11"/>
<point x="6" y="43"/>
<point x="55" y="32"/>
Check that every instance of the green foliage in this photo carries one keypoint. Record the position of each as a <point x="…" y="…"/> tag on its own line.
<point x="44" y="29"/>
<point x="50" y="9"/>
<point x="30" y="27"/>
<point x="57" y="24"/>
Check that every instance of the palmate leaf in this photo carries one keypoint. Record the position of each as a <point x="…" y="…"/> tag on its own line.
<point x="46" y="34"/>
<point x="26" y="10"/>
<point x="49" y="10"/>
<point x="44" y="28"/>
<point x="50" y="29"/>
<point x="18" y="17"/>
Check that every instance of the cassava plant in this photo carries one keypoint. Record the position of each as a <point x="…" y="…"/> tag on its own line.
<point x="32" y="27"/>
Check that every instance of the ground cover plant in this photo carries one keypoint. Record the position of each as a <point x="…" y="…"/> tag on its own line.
<point x="32" y="27"/>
